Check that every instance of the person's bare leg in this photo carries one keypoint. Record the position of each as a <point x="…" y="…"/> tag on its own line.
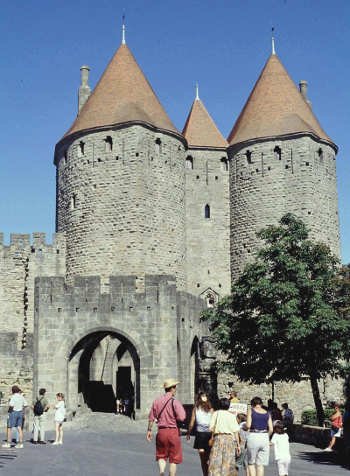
<point x="60" y="440"/>
<point x="260" y="470"/>
<point x="332" y="443"/>
<point x="9" y="435"/>
<point x="172" y="469"/>
<point x="204" y="457"/>
<point x="162" y="465"/>
<point x="251" y="469"/>
<point x="57" y="433"/>
<point x="20" y="434"/>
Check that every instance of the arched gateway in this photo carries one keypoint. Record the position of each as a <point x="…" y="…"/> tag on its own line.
<point x="103" y="366"/>
<point x="93" y="346"/>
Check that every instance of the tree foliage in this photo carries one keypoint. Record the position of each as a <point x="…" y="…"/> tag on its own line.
<point x="286" y="317"/>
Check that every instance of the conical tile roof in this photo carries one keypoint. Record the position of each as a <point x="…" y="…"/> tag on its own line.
<point x="275" y="107"/>
<point x="200" y="130"/>
<point x="123" y="94"/>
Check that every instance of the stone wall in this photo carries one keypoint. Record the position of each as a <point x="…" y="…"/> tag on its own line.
<point x="266" y="184"/>
<point x="207" y="238"/>
<point x="298" y="395"/>
<point x="120" y="200"/>
<point x="159" y="325"/>
<point x="20" y="262"/>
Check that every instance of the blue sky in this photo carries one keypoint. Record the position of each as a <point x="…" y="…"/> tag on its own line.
<point x="221" y="44"/>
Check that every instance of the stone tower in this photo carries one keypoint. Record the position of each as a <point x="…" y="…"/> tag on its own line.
<point x="121" y="181"/>
<point x="281" y="161"/>
<point x="207" y="206"/>
<point x="123" y="317"/>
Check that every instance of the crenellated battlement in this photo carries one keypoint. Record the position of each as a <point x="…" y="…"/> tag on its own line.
<point x="35" y="242"/>
<point x="86" y="295"/>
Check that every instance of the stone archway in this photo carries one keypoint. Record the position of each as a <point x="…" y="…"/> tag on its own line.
<point x="194" y="371"/>
<point x="101" y="364"/>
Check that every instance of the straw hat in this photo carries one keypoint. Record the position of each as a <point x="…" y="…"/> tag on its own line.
<point x="170" y="382"/>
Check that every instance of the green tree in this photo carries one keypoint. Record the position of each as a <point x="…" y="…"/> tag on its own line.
<point x="284" y="319"/>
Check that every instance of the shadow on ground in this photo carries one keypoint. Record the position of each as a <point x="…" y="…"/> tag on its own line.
<point x="5" y="457"/>
<point x="323" y="458"/>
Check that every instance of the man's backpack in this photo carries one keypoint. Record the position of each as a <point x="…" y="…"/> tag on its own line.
<point x="38" y="408"/>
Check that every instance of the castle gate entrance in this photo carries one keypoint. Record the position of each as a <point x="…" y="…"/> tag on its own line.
<point x="104" y="366"/>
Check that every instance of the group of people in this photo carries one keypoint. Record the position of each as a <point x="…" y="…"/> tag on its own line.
<point x="124" y="406"/>
<point x="40" y="407"/>
<point x="226" y="442"/>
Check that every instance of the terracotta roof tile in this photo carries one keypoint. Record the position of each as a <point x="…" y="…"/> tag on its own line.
<point x="275" y="107"/>
<point x="200" y="130"/>
<point x="123" y="94"/>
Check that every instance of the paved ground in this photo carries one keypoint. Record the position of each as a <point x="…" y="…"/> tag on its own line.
<point x="92" y="451"/>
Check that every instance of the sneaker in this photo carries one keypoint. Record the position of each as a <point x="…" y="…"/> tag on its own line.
<point x="60" y="442"/>
<point x="328" y="449"/>
<point x="6" y="445"/>
<point x="42" y="442"/>
<point x="56" y="443"/>
<point x="19" y="445"/>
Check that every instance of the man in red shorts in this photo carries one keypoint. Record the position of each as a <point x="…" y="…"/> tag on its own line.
<point x="166" y="411"/>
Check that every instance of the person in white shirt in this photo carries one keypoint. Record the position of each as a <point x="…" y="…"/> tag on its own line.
<point x="280" y="441"/>
<point x="60" y="415"/>
<point x="200" y="419"/>
<point x="17" y="404"/>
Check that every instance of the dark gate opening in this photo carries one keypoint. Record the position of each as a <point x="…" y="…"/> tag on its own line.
<point x="101" y="378"/>
<point x="125" y="389"/>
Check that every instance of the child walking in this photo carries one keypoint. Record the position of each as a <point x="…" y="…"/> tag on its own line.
<point x="60" y="414"/>
<point x="280" y="441"/>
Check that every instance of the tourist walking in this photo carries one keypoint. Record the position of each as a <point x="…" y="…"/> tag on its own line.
<point x="200" y="419"/>
<point x="17" y="404"/>
<point x="259" y="425"/>
<point x="288" y="419"/>
<point x="337" y="425"/>
<point x="241" y="461"/>
<point x="60" y="415"/>
<point x="40" y="407"/>
<point x="167" y="411"/>
<point x="275" y="412"/>
<point x="225" y="429"/>
<point x="280" y="442"/>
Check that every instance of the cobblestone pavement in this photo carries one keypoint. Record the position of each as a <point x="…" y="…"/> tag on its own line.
<point x="98" y="451"/>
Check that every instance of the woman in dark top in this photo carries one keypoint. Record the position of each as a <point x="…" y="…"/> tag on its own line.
<point x="260" y="427"/>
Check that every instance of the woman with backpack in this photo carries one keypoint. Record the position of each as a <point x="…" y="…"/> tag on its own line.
<point x="40" y="407"/>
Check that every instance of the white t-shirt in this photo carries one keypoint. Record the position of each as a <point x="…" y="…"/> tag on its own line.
<point x="18" y="402"/>
<point x="281" y="445"/>
<point x="202" y="420"/>
<point x="222" y="421"/>
<point x="60" y="412"/>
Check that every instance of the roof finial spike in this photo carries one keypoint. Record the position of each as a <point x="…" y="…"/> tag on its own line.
<point x="197" y="92"/>
<point x="123" y="30"/>
<point x="273" y="41"/>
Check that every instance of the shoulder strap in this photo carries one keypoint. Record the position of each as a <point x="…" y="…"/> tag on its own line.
<point x="159" y="414"/>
